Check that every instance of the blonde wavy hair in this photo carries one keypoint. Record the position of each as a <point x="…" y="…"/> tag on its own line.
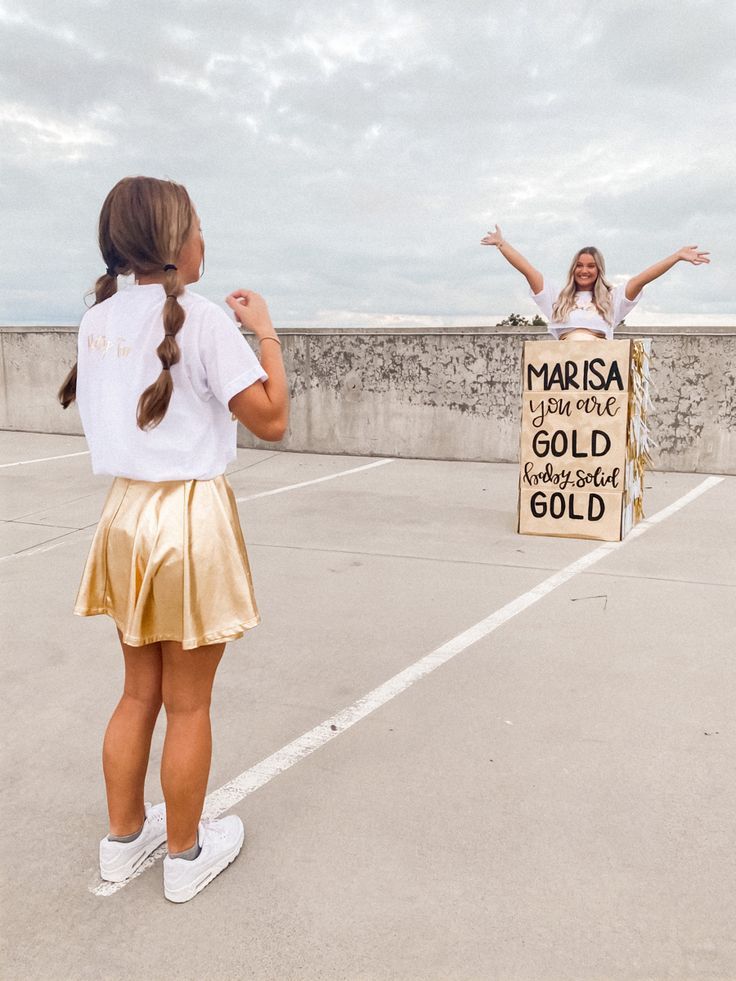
<point x="143" y="226"/>
<point x="602" y="298"/>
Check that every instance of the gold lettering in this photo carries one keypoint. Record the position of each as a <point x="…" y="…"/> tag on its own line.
<point x="96" y="343"/>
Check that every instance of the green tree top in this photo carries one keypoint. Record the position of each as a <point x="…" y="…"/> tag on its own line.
<point x="517" y="320"/>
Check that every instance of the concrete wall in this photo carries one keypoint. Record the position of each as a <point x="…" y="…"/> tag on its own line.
<point x="447" y="393"/>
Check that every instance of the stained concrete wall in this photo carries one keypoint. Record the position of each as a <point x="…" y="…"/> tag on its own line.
<point x="447" y="393"/>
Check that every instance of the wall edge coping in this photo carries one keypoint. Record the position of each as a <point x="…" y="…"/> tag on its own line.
<point x="407" y="331"/>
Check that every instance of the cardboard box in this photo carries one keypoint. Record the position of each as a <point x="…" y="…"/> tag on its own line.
<point x="583" y="443"/>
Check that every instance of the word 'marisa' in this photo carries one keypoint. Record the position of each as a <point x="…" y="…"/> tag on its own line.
<point x="563" y="375"/>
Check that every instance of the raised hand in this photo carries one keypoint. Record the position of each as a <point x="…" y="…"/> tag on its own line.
<point x="493" y="238"/>
<point x="690" y="254"/>
<point x="251" y="310"/>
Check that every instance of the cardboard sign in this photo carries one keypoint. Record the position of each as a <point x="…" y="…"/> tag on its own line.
<point x="576" y="422"/>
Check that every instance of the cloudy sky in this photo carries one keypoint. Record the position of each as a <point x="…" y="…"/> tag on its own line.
<point x="346" y="158"/>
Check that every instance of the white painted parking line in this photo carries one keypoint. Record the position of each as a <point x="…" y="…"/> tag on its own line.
<point x="44" y="459"/>
<point x="24" y="553"/>
<point x="47" y="547"/>
<point x="317" y="480"/>
<point x="250" y="780"/>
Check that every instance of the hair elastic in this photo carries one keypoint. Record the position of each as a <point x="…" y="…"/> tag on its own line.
<point x="111" y="271"/>
<point x="169" y="265"/>
<point x="166" y="367"/>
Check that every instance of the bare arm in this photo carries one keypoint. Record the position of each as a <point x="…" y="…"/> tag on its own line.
<point x="517" y="260"/>
<point x="689" y="254"/>
<point x="262" y="407"/>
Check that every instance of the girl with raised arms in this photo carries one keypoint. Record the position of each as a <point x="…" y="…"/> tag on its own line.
<point x="588" y="307"/>
<point x="162" y="376"/>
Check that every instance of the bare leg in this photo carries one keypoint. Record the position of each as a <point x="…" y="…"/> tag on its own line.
<point x="128" y="737"/>
<point x="185" y="765"/>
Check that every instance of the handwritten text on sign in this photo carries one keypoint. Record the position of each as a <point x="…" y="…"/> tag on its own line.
<point x="573" y="438"/>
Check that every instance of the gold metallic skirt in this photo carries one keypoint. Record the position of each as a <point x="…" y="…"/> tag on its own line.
<point x="168" y="562"/>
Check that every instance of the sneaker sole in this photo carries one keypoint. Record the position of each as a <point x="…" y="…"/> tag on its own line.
<point x="185" y="893"/>
<point x="124" y="872"/>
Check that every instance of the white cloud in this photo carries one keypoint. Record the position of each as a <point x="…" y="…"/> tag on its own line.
<point x="48" y="138"/>
<point x="349" y="158"/>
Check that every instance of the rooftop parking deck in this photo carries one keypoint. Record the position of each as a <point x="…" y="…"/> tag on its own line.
<point x="459" y="753"/>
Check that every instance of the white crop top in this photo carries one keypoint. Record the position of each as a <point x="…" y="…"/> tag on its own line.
<point x="585" y="313"/>
<point x="117" y="361"/>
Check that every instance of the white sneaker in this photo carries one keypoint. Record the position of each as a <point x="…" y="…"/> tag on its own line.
<point x="120" y="859"/>
<point x="220" y="841"/>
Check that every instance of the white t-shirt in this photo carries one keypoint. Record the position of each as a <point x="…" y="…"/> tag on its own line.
<point x="585" y="313"/>
<point x="117" y="361"/>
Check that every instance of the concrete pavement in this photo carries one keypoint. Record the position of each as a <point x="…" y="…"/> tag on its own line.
<point x="554" y="802"/>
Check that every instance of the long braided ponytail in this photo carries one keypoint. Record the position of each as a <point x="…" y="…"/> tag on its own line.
<point x="154" y="402"/>
<point x="143" y="226"/>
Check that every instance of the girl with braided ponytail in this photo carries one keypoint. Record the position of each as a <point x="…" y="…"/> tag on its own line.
<point x="587" y="307"/>
<point x="162" y="374"/>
